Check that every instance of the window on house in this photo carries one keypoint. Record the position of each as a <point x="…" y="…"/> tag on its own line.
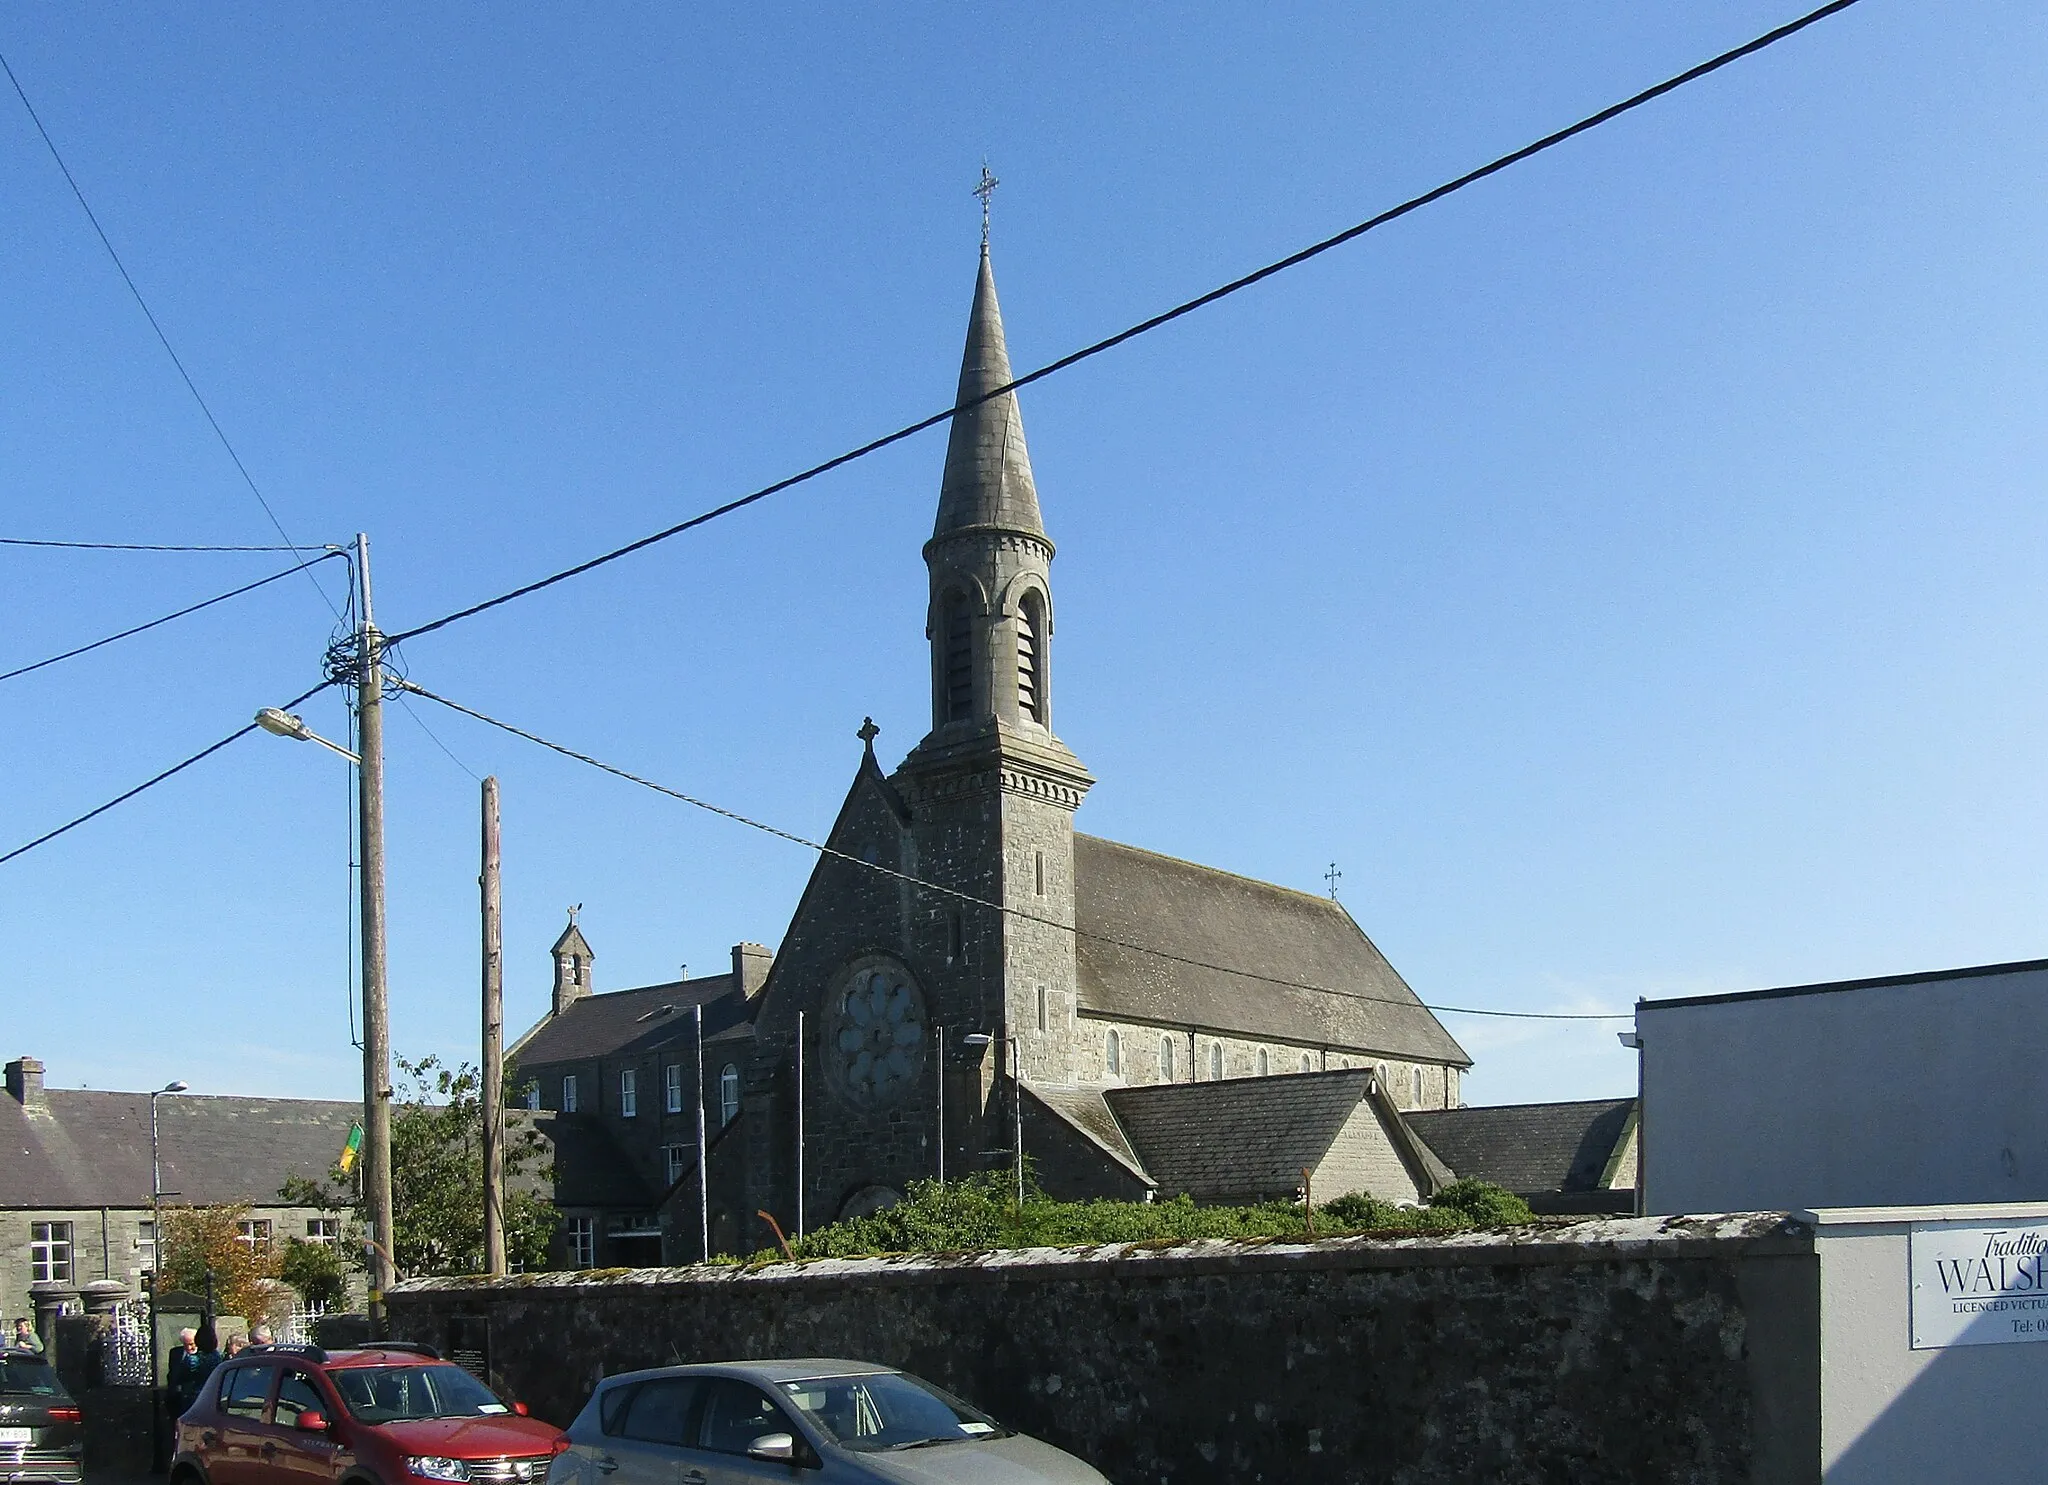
<point x="1381" y="1071"/>
<point x="1031" y="658"/>
<point x="1044" y="1009"/>
<point x="582" y="1233"/>
<point x="1215" y="1062"/>
<point x="254" y="1234"/>
<point x="569" y="1094"/>
<point x="677" y="1160"/>
<point x="145" y="1243"/>
<point x="533" y="1096"/>
<point x="957" y="629"/>
<point x="1166" y="1059"/>
<point x="1418" y="1087"/>
<point x="1113" y="1053"/>
<point x="323" y="1230"/>
<point x="956" y="939"/>
<point x="1265" y="1063"/>
<point x="728" y="1094"/>
<point x="49" y="1252"/>
<point x="1039" y="867"/>
<point x="1308" y="1063"/>
<point x="672" y="1087"/>
<point x="629" y="1094"/>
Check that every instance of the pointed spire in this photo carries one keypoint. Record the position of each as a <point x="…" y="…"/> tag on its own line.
<point x="988" y="472"/>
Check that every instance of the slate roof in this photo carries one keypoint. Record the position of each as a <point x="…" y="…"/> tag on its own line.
<point x="629" y="1022"/>
<point x="1532" y="1149"/>
<point x="1200" y="913"/>
<point x="988" y="474"/>
<point x="1242" y="1137"/>
<point x="85" y="1148"/>
<point x="1086" y="1111"/>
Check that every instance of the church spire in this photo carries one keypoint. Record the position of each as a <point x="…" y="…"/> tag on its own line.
<point x="988" y="472"/>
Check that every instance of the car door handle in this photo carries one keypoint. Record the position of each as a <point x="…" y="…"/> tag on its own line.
<point x="606" y="1464"/>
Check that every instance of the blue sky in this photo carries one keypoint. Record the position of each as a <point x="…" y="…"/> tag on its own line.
<point x="1627" y="570"/>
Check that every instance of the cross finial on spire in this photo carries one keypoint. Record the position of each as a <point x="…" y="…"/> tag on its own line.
<point x="573" y="911"/>
<point x="868" y="732"/>
<point x="985" y="189"/>
<point x="1333" y="877"/>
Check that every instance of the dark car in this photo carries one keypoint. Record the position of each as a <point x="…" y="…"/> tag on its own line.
<point x="42" y="1436"/>
<point x="387" y="1414"/>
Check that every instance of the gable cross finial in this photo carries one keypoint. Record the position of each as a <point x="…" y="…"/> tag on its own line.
<point x="574" y="909"/>
<point x="985" y="189"/>
<point x="1333" y="877"/>
<point x="868" y="732"/>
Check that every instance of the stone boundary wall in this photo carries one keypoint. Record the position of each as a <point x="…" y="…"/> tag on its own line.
<point x="1626" y="1350"/>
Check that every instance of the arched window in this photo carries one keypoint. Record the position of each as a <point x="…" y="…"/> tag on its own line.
<point x="1215" y="1062"/>
<point x="1166" y="1059"/>
<point x="1113" y="1053"/>
<point x="1307" y="1063"/>
<point x="1418" y="1087"/>
<point x="1385" y="1087"/>
<point x="1265" y="1063"/>
<point x="1031" y="658"/>
<point x="956" y="629"/>
<point x="728" y="1094"/>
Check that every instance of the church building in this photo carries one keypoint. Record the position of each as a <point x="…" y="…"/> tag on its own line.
<point x="960" y="947"/>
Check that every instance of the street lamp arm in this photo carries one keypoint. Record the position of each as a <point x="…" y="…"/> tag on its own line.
<point x="280" y="723"/>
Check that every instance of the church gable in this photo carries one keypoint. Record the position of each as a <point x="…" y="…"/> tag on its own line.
<point x="1128" y="896"/>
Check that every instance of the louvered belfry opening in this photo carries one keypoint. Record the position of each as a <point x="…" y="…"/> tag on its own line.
<point x="1030" y="647"/>
<point x="959" y="633"/>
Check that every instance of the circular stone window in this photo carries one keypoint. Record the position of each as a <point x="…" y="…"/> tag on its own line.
<point x="877" y="1034"/>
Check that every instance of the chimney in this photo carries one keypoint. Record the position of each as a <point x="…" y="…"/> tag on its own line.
<point x="750" y="964"/>
<point x="25" y="1081"/>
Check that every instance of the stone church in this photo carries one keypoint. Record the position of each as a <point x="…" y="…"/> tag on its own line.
<point x="1167" y="1027"/>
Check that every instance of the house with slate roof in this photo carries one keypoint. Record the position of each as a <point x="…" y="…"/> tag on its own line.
<point x="1561" y="1158"/>
<point x="1158" y="1026"/>
<point x="75" y="1176"/>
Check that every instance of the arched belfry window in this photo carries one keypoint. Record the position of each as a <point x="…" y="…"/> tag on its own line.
<point x="1031" y="657"/>
<point x="956" y="628"/>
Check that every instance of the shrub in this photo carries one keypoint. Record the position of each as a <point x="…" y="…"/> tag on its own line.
<point x="1481" y="1203"/>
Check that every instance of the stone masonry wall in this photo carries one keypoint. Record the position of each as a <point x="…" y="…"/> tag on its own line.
<point x="1622" y="1351"/>
<point x="1140" y="1055"/>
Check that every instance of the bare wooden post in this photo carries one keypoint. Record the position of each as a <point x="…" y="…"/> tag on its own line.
<point x="494" y="1038"/>
<point x="376" y="990"/>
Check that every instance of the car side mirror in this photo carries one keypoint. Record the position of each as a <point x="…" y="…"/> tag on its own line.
<point x="776" y="1446"/>
<point x="311" y="1421"/>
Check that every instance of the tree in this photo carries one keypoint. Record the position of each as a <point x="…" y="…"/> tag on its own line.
<point x="437" y="1176"/>
<point x="196" y="1239"/>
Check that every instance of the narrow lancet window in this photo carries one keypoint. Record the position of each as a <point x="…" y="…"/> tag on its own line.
<point x="1031" y="658"/>
<point x="958" y="632"/>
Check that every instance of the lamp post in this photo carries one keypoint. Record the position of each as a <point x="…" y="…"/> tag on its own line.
<point x="156" y="1262"/>
<point x="983" y="1039"/>
<point x="369" y="689"/>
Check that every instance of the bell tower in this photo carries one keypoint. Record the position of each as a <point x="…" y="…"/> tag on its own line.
<point x="991" y="787"/>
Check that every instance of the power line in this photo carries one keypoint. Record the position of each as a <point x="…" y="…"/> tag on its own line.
<point x="1292" y="260"/>
<point x="134" y="546"/>
<point x="153" y="623"/>
<point x="982" y="902"/>
<point x="151" y="783"/>
<point x="163" y="339"/>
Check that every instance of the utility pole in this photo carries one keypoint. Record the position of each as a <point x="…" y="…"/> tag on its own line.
<point x="703" y="1175"/>
<point x="376" y="999"/>
<point x="799" y="1125"/>
<point x="942" y="1105"/>
<point x="494" y="1039"/>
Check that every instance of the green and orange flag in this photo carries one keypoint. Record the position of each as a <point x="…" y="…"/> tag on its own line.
<point x="351" y="1150"/>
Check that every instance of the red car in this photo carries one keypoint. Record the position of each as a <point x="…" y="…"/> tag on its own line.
<point x="389" y="1414"/>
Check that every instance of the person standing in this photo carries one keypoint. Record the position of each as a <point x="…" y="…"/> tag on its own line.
<point x="25" y="1337"/>
<point x="182" y="1376"/>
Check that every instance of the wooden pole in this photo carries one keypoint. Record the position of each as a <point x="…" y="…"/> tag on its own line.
<point x="494" y="1037"/>
<point x="376" y="999"/>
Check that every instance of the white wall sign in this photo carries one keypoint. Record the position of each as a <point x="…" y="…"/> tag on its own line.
<point x="1979" y="1284"/>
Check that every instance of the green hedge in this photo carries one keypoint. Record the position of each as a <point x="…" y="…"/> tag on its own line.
<point x="981" y="1213"/>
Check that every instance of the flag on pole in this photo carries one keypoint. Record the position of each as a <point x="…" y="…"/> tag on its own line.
<point x="351" y="1150"/>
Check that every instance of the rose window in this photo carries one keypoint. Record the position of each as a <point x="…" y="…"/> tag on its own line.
<point x="879" y="1035"/>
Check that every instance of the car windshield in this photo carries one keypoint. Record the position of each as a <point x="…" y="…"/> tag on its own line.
<point x="28" y="1374"/>
<point x="384" y="1394"/>
<point x="888" y="1410"/>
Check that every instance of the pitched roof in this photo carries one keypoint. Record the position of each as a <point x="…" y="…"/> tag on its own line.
<point x="628" y="1022"/>
<point x="1086" y="1111"/>
<point x="988" y="473"/>
<point x="1199" y="913"/>
<point x="1530" y="1148"/>
<point x="85" y="1148"/>
<point x="1240" y="1137"/>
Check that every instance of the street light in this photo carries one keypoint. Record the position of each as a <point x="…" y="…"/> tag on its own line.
<point x="156" y="1261"/>
<point x="983" y="1039"/>
<point x="367" y="678"/>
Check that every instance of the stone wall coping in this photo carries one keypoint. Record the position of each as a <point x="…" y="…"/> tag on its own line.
<point x="1988" y="1211"/>
<point x="1597" y="1240"/>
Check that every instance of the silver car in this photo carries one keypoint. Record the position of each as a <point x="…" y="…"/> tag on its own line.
<point x="813" y="1422"/>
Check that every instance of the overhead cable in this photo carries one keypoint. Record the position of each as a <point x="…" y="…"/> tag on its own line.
<point x="137" y="546"/>
<point x="9" y="675"/>
<point x="982" y="902"/>
<point x="1292" y="260"/>
<point x="163" y="339"/>
<point x="151" y="783"/>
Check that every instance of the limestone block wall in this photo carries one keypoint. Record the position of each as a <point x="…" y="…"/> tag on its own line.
<point x="1605" y="1352"/>
<point x="1142" y="1061"/>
